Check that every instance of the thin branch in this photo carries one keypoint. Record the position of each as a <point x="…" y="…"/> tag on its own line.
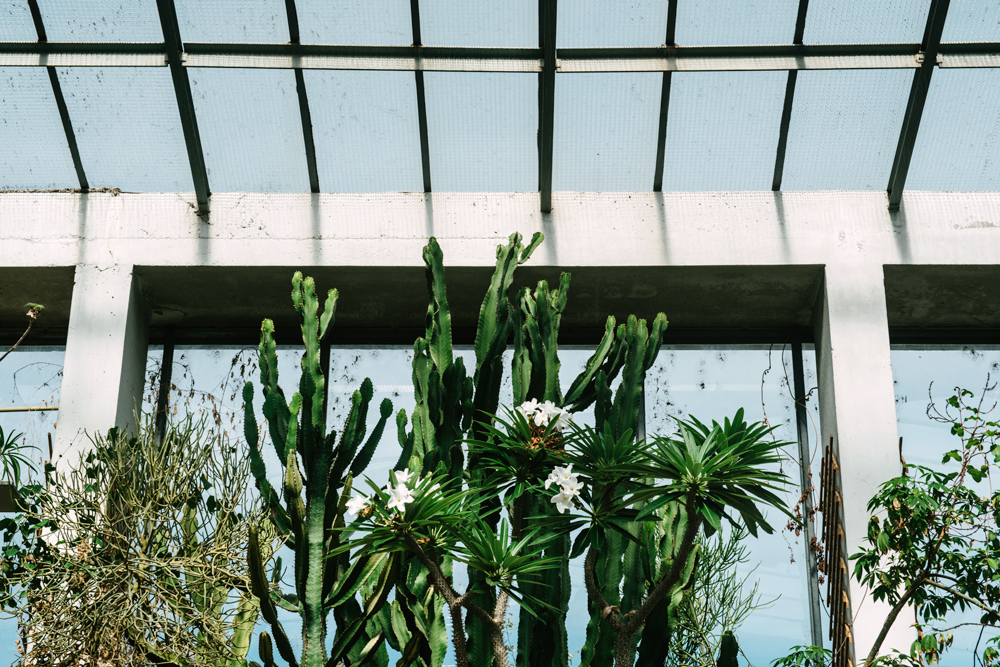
<point x="32" y="314"/>
<point x="957" y="593"/>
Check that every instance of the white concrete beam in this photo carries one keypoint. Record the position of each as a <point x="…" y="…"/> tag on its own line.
<point x="106" y="348"/>
<point x="857" y="407"/>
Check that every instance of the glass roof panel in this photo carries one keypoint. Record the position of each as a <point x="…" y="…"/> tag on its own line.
<point x="35" y="154"/>
<point x="233" y="21"/>
<point x="959" y="139"/>
<point x="127" y="128"/>
<point x="383" y="22"/>
<point x="871" y="21"/>
<point x="845" y="127"/>
<point x="972" y="21"/>
<point x="709" y="22"/>
<point x="605" y="131"/>
<point x="722" y="130"/>
<point x="101" y="20"/>
<point x="584" y="23"/>
<point x="15" y="22"/>
<point x="481" y="23"/>
<point x="251" y="130"/>
<point x="366" y="130"/>
<point x="481" y="130"/>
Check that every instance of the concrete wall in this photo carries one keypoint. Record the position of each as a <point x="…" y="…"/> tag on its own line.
<point x="729" y="260"/>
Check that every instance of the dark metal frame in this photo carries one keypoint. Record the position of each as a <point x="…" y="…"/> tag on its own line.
<point x="546" y="61"/>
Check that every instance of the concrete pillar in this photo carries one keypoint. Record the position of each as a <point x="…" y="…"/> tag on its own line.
<point x="106" y="346"/>
<point x="858" y="407"/>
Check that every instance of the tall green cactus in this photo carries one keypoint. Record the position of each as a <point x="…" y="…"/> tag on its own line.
<point x="636" y="349"/>
<point x="318" y="468"/>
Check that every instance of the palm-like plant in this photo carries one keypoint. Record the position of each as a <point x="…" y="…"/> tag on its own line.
<point x="710" y="474"/>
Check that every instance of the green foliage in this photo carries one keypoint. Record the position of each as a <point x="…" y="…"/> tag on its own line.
<point x="318" y="467"/>
<point x="14" y="457"/>
<point x="933" y="540"/>
<point x="145" y="540"/>
<point x="805" y="656"/>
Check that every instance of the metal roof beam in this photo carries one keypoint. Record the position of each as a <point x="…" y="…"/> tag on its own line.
<point x="786" y="110"/>
<point x="185" y="101"/>
<point x="418" y="74"/>
<point x="661" y="137"/>
<point x="918" y="97"/>
<point x="546" y="99"/>
<point x="67" y="123"/>
<point x="517" y="60"/>
<point x="300" y="87"/>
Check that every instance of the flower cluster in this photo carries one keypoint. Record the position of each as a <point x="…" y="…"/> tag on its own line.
<point x="399" y="495"/>
<point x="545" y="414"/>
<point x="570" y="487"/>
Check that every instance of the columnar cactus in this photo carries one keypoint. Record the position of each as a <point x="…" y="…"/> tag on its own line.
<point x="318" y="469"/>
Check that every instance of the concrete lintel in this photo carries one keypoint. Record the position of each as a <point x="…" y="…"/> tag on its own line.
<point x="857" y="407"/>
<point x="106" y="348"/>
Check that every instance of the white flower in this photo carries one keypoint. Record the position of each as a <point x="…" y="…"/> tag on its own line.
<point x="562" y="419"/>
<point x="541" y="418"/>
<point x="404" y="476"/>
<point x="561" y="476"/>
<point x="572" y="487"/>
<point x="356" y="504"/>
<point x="399" y="496"/>
<point x="528" y="408"/>
<point x="563" y="501"/>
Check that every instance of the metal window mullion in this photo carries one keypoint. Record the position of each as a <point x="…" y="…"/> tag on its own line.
<point x="661" y="137"/>
<point x="300" y="88"/>
<point x="786" y="110"/>
<point x="67" y="123"/>
<point x="185" y="101"/>
<point x="915" y="105"/>
<point x="418" y="76"/>
<point x="546" y="100"/>
<point x="166" y="379"/>
<point x="806" y="488"/>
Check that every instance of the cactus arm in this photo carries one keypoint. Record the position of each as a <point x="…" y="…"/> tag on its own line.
<point x="257" y="468"/>
<point x="438" y="314"/>
<point x="258" y="582"/>
<point x="364" y="457"/>
<point x="405" y="442"/>
<point x="311" y="381"/>
<point x="581" y="393"/>
<point x="354" y="431"/>
<point x="275" y="409"/>
<point x="629" y="394"/>
<point x="521" y="364"/>
<point x="248" y="608"/>
<point x="329" y="312"/>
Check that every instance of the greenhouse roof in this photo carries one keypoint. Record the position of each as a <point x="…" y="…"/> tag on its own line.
<point x="499" y="95"/>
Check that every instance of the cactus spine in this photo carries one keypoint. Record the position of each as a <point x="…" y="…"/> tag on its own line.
<point x="316" y="483"/>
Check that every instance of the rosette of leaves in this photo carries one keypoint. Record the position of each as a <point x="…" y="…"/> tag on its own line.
<point x="443" y="521"/>
<point x="687" y="485"/>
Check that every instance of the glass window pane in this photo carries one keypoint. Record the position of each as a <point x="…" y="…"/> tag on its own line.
<point x="712" y="384"/>
<point x="957" y="143"/>
<point x="844" y="129"/>
<point x="741" y="22"/>
<point x="872" y="21"/>
<point x="366" y="130"/>
<point x="385" y="22"/>
<point x="127" y="128"/>
<point x="233" y="21"/>
<point x="35" y="154"/>
<point x="481" y="129"/>
<point x="482" y="23"/>
<point x="923" y="376"/>
<point x="101" y="20"/>
<point x="605" y="131"/>
<point x="31" y="377"/>
<point x="722" y="130"/>
<point x="584" y="23"/>
<point x="15" y="22"/>
<point x="972" y="21"/>
<point x="251" y="130"/>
